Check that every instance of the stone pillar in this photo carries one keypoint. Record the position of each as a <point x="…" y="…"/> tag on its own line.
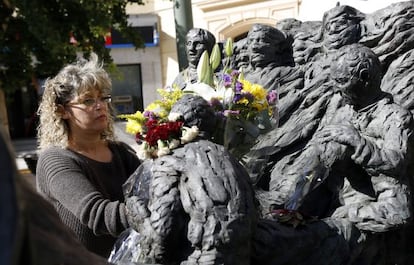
<point x="183" y="16"/>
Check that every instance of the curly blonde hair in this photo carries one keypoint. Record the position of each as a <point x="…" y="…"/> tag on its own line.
<point x="71" y="81"/>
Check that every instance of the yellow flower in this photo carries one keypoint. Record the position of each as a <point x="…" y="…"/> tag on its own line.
<point x="163" y="106"/>
<point x="133" y="126"/>
<point x="171" y="95"/>
<point x="153" y="106"/>
<point x="243" y="101"/>
<point x="158" y="107"/>
<point x="259" y="94"/>
<point x="256" y="90"/>
<point x="260" y="105"/>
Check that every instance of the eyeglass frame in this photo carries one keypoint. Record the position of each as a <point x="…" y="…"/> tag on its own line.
<point x="91" y="102"/>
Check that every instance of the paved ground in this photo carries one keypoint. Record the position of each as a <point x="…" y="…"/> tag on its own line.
<point x="23" y="147"/>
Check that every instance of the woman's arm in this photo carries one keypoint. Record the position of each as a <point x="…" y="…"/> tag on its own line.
<point x="61" y="177"/>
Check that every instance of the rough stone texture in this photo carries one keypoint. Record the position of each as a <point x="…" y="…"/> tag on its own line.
<point x="343" y="150"/>
<point x="333" y="182"/>
<point x="196" y="205"/>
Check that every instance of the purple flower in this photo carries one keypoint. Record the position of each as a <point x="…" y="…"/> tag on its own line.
<point x="150" y="115"/>
<point x="237" y="97"/>
<point x="235" y="73"/>
<point x="227" y="80"/>
<point x="238" y="87"/>
<point x="272" y="97"/>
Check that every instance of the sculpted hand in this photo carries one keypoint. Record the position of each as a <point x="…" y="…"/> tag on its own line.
<point x="343" y="134"/>
<point x="348" y="135"/>
<point x="136" y="211"/>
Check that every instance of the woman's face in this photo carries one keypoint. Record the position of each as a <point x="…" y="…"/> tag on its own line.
<point x="88" y="112"/>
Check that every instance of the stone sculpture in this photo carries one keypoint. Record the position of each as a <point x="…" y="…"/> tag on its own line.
<point x="369" y="205"/>
<point x="197" y="41"/>
<point x="354" y="170"/>
<point x="196" y="205"/>
<point x="333" y="182"/>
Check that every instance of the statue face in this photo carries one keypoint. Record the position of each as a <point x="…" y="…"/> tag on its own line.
<point x="195" y="46"/>
<point x="356" y="72"/>
<point x="260" y="47"/>
<point x="242" y="54"/>
<point x="340" y="31"/>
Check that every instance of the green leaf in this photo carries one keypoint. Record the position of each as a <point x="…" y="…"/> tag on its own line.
<point x="33" y="30"/>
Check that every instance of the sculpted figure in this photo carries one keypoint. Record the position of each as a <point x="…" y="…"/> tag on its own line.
<point x="271" y="64"/>
<point x="354" y="171"/>
<point x="198" y="41"/>
<point x="195" y="205"/>
<point x="398" y="80"/>
<point x="269" y="49"/>
<point x="305" y="37"/>
<point x="389" y="31"/>
<point x="303" y="105"/>
<point x="340" y="27"/>
<point x="240" y="58"/>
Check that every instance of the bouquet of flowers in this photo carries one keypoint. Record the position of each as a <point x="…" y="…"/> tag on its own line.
<point x="247" y="110"/>
<point x="156" y="130"/>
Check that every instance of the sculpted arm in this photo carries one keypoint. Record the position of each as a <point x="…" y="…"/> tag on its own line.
<point x="380" y="141"/>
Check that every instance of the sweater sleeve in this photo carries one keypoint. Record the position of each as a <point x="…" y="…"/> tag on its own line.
<point x="129" y="157"/>
<point x="61" y="177"/>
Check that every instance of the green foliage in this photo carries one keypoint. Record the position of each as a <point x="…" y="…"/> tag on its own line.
<point x="35" y="34"/>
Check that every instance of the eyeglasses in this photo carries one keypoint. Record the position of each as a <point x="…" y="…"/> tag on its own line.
<point x="89" y="102"/>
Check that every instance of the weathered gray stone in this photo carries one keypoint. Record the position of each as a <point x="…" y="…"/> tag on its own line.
<point x="333" y="182"/>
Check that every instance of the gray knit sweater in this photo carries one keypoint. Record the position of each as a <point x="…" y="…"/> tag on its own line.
<point x="86" y="193"/>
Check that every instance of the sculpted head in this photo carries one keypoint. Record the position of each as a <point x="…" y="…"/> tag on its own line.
<point x="196" y="111"/>
<point x="266" y="44"/>
<point x="197" y="41"/>
<point x="341" y="26"/>
<point x="240" y="54"/>
<point x="356" y="71"/>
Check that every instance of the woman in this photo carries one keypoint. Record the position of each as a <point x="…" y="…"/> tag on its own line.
<point x="81" y="168"/>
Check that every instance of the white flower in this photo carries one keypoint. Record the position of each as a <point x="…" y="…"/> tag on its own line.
<point x="174" y="116"/>
<point x="202" y="89"/>
<point x="174" y="143"/>
<point x="162" y="149"/>
<point x="225" y="95"/>
<point x="208" y="93"/>
<point x="188" y="134"/>
<point x="142" y="151"/>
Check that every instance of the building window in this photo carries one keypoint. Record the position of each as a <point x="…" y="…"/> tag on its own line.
<point x="149" y="34"/>
<point x="127" y="89"/>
